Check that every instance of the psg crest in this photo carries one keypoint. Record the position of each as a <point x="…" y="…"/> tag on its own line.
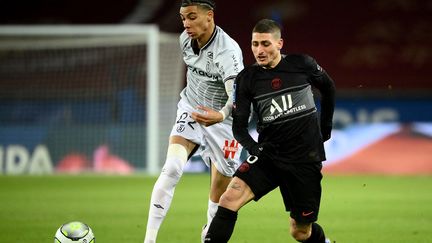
<point x="276" y="83"/>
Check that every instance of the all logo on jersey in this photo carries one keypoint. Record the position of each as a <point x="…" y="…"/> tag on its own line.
<point x="282" y="106"/>
<point x="230" y="148"/>
<point x="286" y="103"/>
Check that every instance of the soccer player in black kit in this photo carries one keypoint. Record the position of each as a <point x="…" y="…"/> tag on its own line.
<point x="290" y="149"/>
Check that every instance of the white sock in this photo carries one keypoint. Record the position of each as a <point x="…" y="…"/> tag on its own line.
<point x="163" y="192"/>
<point x="211" y="211"/>
<point x="162" y="195"/>
<point x="150" y="236"/>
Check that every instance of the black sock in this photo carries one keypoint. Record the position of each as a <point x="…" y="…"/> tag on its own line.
<point x="222" y="226"/>
<point x="317" y="235"/>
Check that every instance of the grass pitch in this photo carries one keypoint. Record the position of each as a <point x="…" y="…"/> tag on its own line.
<point x="354" y="209"/>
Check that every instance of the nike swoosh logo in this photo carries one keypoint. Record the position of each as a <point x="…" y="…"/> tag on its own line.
<point x="305" y="214"/>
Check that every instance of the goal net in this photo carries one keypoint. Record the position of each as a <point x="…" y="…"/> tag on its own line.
<point x="79" y="98"/>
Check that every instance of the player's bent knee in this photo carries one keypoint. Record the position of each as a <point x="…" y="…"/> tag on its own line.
<point x="172" y="168"/>
<point x="175" y="161"/>
<point x="229" y="200"/>
<point x="236" y="195"/>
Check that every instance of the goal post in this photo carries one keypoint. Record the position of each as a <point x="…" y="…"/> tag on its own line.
<point x="103" y="76"/>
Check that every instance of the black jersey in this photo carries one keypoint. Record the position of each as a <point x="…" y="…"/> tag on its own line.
<point x="283" y="100"/>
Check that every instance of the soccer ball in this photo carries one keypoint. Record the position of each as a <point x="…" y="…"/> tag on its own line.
<point x="74" y="232"/>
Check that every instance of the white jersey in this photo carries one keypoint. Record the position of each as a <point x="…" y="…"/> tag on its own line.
<point x="209" y="68"/>
<point x="207" y="71"/>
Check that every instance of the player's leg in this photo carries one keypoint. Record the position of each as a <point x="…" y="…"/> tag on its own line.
<point x="222" y="154"/>
<point x="178" y="153"/>
<point x="185" y="137"/>
<point x="301" y="192"/>
<point x="218" y="185"/>
<point x="252" y="180"/>
<point x="237" y="194"/>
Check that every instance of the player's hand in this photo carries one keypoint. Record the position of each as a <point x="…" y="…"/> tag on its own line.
<point x="207" y="116"/>
<point x="326" y="132"/>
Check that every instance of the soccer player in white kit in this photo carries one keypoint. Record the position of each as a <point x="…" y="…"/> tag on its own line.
<point x="204" y="121"/>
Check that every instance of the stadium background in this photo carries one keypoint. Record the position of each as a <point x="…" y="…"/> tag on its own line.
<point x="378" y="52"/>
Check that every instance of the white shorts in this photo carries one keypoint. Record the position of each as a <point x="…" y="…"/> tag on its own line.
<point x="217" y="143"/>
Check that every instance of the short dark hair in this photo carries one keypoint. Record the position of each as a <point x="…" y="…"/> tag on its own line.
<point x="210" y="4"/>
<point x="268" y="26"/>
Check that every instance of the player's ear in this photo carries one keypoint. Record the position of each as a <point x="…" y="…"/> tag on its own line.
<point x="280" y="44"/>
<point x="210" y="15"/>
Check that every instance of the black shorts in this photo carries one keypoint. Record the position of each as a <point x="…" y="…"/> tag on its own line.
<point x="299" y="184"/>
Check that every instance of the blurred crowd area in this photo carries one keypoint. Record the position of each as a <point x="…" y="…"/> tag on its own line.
<point x="383" y="45"/>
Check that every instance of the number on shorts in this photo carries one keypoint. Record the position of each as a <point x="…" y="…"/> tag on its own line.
<point x="183" y="119"/>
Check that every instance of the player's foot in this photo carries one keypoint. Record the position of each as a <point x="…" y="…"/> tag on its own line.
<point x="327" y="240"/>
<point x="203" y="233"/>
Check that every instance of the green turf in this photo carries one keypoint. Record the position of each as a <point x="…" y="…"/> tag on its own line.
<point x="354" y="209"/>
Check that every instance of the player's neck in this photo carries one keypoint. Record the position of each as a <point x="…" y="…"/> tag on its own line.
<point x="274" y="63"/>
<point x="202" y="41"/>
